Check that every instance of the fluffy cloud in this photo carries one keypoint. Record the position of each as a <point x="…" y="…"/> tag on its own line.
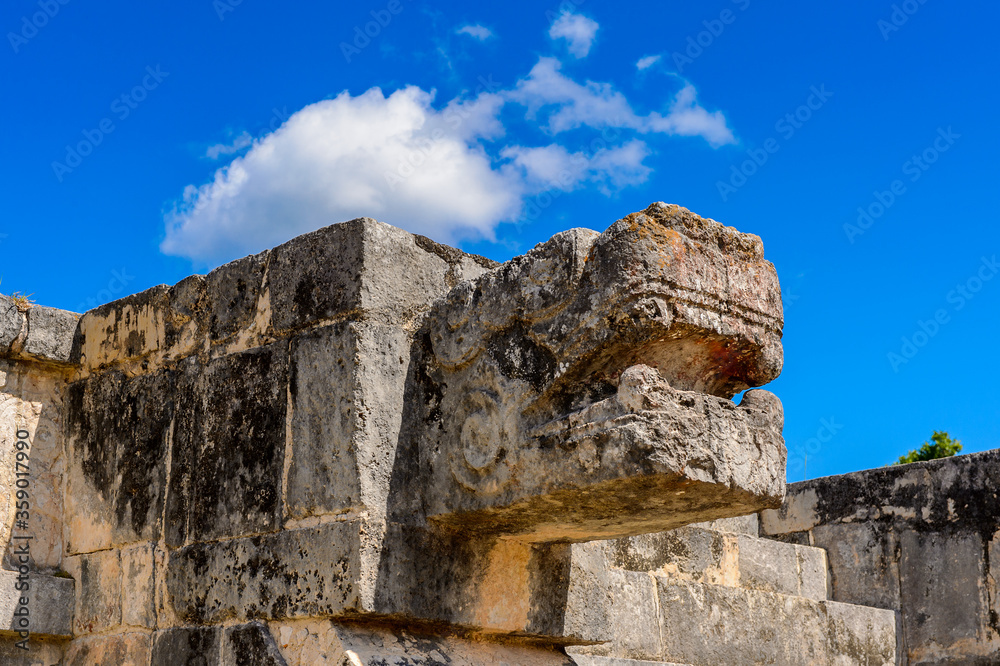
<point x="647" y="61"/>
<point x="476" y="32"/>
<point x="444" y="171"/>
<point x="395" y="158"/>
<point x="555" y="168"/>
<point x="578" y="31"/>
<point x="570" y="105"/>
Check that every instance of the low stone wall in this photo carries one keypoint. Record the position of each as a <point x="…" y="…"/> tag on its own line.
<point x="922" y="539"/>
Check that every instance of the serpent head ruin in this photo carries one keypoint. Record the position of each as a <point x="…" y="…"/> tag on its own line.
<point x="364" y="447"/>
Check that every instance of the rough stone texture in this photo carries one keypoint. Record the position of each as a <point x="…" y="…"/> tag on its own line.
<point x="319" y="642"/>
<point x="699" y="555"/>
<point x="366" y="447"/>
<point x="358" y="266"/>
<point x="118" y="441"/>
<point x="128" y="649"/>
<point x="31" y="401"/>
<point x="98" y="579"/>
<point x="581" y="390"/>
<point x="11" y="323"/>
<point x="40" y="652"/>
<point x="138" y="586"/>
<point x="187" y="646"/>
<point x="647" y="603"/>
<point x="345" y="417"/>
<point x="229" y="446"/>
<point x="294" y="573"/>
<point x="919" y="539"/>
<point x="51" y="334"/>
<point x="648" y="458"/>
<point x="250" y="645"/>
<point x="50" y="603"/>
<point x="705" y="624"/>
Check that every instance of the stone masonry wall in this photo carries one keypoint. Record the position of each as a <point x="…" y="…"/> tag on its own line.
<point x="921" y="539"/>
<point x="365" y="447"/>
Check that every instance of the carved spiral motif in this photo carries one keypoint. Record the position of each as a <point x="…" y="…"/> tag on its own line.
<point x="485" y="447"/>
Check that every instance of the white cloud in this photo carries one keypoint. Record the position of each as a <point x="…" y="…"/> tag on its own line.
<point x="238" y="144"/>
<point x="395" y="158"/>
<point x="553" y="167"/>
<point x="647" y="61"/>
<point x="577" y="30"/>
<point x="571" y="105"/>
<point x="441" y="171"/>
<point x="688" y="118"/>
<point x="476" y="31"/>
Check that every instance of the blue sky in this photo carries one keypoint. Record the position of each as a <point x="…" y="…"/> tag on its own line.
<point x="147" y="141"/>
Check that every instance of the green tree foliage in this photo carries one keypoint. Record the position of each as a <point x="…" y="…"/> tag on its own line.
<point x="943" y="447"/>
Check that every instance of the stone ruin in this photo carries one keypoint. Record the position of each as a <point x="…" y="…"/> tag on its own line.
<point x="363" y="448"/>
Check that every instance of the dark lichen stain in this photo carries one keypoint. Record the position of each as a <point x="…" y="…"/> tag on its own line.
<point x="120" y="427"/>
<point x="236" y="465"/>
<point x="518" y="356"/>
<point x="252" y="645"/>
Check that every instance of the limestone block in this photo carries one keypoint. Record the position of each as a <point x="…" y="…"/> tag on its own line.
<point x="31" y="402"/>
<point x="41" y="652"/>
<point x="128" y="649"/>
<point x="228" y="446"/>
<point x="708" y="624"/>
<point x="51" y="334"/>
<point x="50" y="604"/>
<point x="813" y="573"/>
<point x="138" y="586"/>
<point x="749" y="525"/>
<point x="863" y="562"/>
<point x="688" y="553"/>
<point x="356" y="267"/>
<point x="768" y="565"/>
<point x="187" y="646"/>
<point x="250" y="644"/>
<point x="118" y="440"/>
<point x="11" y="323"/>
<point x="232" y="297"/>
<point x="648" y="458"/>
<point x="617" y="608"/>
<point x="98" y="591"/>
<point x="293" y="573"/>
<point x="942" y="581"/>
<point x="129" y="328"/>
<point x="346" y="393"/>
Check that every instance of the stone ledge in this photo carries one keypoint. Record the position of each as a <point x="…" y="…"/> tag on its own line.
<point x="50" y="603"/>
<point x="41" y="334"/>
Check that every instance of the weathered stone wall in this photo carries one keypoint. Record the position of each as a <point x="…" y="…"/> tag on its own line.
<point x="362" y="447"/>
<point x="922" y="539"/>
